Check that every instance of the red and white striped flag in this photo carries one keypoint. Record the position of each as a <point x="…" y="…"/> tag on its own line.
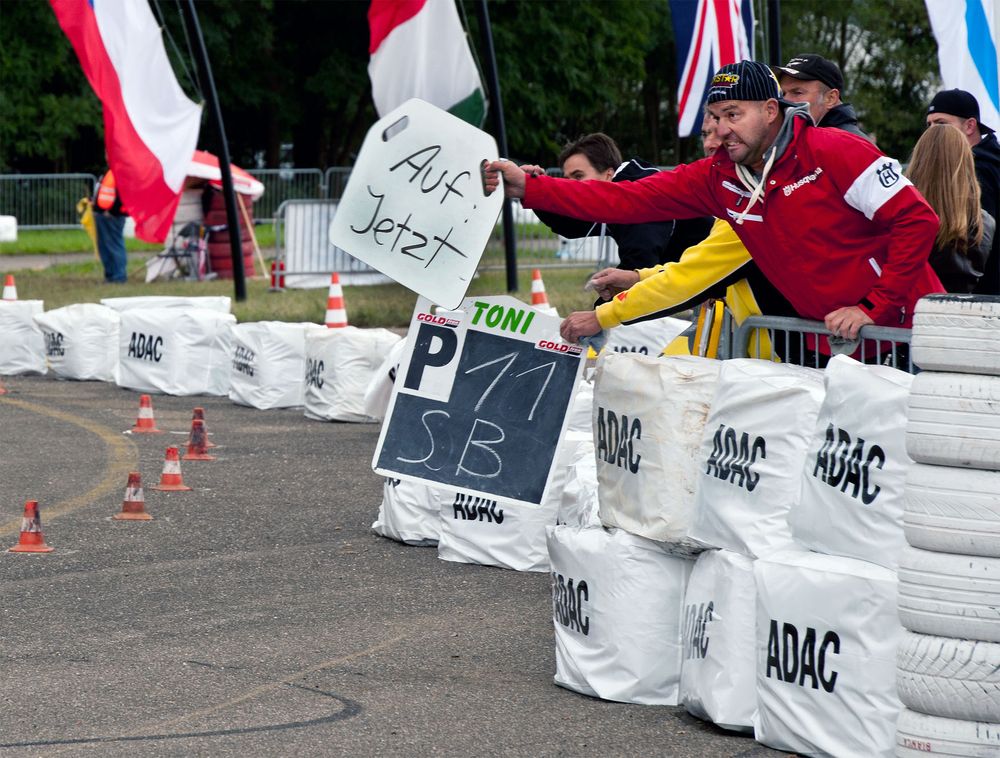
<point x="709" y="34"/>
<point x="150" y="125"/>
<point x="418" y="49"/>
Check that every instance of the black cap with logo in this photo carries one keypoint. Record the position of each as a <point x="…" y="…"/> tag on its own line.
<point x="811" y="67"/>
<point x="958" y="102"/>
<point x="745" y="80"/>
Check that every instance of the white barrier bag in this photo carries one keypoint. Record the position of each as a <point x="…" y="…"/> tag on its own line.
<point x="578" y="505"/>
<point x="646" y="337"/>
<point x="496" y="532"/>
<point x="380" y="388"/>
<point x="268" y="364"/>
<point x="220" y="303"/>
<point x="22" y="347"/>
<point x="752" y="453"/>
<point x="616" y="608"/>
<point x="410" y="512"/>
<point x="827" y="634"/>
<point x="81" y="341"/>
<point x="649" y="419"/>
<point x="340" y="364"/>
<point x="580" y="415"/>
<point x="175" y="351"/>
<point x="851" y="502"/>
<point x="718" y="676"/>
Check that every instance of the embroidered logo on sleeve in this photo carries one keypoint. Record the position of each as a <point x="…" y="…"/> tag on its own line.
<point x="888" y="175"/>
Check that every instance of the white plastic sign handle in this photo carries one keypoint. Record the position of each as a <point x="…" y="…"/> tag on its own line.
<point x="414" y="207"/>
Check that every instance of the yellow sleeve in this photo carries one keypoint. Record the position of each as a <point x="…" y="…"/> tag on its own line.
<point x="674" y="287"/>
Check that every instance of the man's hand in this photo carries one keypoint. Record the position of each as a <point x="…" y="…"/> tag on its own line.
<point x="579" y="324"/>
<point x="513" y="178"/>
<point x="610" y="281"/>
<point x="847" y="322"/>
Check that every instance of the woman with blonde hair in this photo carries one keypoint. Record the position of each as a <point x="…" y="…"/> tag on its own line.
<point x="941" y="168"/>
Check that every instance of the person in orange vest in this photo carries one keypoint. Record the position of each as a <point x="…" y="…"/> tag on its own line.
<point x="109" y="216"/>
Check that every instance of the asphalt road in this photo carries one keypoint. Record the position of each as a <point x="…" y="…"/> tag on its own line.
<point x="258" y="615"/>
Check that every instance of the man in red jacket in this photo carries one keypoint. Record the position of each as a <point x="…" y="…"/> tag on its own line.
<point x="829" y="219"/>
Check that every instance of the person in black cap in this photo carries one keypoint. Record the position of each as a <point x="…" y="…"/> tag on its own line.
<point x="829" y="219"/>
<point x="961" y="110"/>
<point x="813" y="79"/>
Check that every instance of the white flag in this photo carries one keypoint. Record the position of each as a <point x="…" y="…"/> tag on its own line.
<point x="418" y="49"/>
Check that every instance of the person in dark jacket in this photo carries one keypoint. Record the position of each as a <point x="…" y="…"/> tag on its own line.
<point x="941" y="168"/>
<point x="960" y="109"/>
<point x="596" y="156"/>
<point x="813" y="79"/>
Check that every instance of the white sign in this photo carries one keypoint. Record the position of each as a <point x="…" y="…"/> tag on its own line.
<point x="415" y="208"/>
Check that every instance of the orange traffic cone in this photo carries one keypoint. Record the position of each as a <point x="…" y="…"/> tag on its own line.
<point x="199" y="413"/>
<point x="336" y="315"/>
<point x="9" y="288"/>
<point x="145" y="423"/>
<point x="134" y="505"/>
<point x="538" y="296"/>
<point x="171" y="479"/>
<point x="32" y="540"/>
<point x="196" y="445"/>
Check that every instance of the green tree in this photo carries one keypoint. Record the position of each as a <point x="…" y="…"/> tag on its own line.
<point x="888" y="56"/>
<point x="49" y="117"/>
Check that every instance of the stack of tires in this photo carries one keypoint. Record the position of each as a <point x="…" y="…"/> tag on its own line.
<point x="220" y="254"/>
<point x="948" y="671"/>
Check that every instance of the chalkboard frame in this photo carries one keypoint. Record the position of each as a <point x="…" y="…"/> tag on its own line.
<point x="495" y="373"/>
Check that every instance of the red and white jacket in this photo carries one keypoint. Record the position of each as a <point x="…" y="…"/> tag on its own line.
<point x="839" y="224"/>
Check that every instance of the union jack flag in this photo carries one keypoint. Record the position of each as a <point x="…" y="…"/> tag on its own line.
<point x="709" y="34"/>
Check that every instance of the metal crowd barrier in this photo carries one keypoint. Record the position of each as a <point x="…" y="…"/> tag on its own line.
<point x="876" y="344"/>
<point x="44" y="201"/>
<point x="281" y="184"/>
<point x="305" y="256"/>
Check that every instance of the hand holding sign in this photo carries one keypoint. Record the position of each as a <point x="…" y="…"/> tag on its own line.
<point x="415" y="207"/>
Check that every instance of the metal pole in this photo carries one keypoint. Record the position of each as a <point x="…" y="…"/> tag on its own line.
<point x="232" y="219"/>
<point x="493" y="84"/>
<point x="774" y="32"/>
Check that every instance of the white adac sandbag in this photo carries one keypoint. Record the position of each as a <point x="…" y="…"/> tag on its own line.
<point x="646" y="337"/>
<point x="268" y="364"/>
<point x="22" y="347"/>
<point x="498" y="532"/>
<point x="175" y="351"/>
<point x="649" y="419"/>
<point x="379" y="390"/>
<point x="752" y="453"/>
<point x="340" y="364"/>
<point x="220" y="303"/>
<point x="718" y="676"/>
<point x="616" y="608"/>
<point x="578" y="505"/>
<point x="410" y="512"/>
<point x="854" y="476"/>
<point x="81" y="341"/>
<point x="495" y="532"/>
<point x="580" y="414"/>
<point x="827" y="635"/>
